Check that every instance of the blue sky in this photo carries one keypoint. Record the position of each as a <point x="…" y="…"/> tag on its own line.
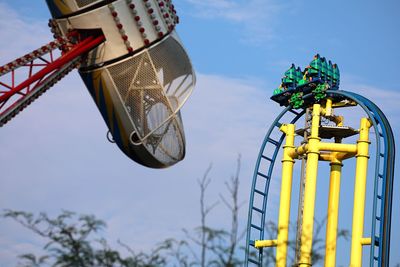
<point x="55" y="156"/>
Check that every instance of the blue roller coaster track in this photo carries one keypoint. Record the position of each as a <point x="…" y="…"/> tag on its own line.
<point x="383" y="181"/>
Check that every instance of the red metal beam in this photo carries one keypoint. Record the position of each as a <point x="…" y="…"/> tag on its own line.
<point x="76" y="51"/>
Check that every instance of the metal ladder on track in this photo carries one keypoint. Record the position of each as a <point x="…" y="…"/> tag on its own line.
<point x="259" y="196"/>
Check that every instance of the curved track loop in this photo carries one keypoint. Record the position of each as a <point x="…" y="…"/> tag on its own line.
<point x="383" y="182"/>
<point x="262" y="176"/>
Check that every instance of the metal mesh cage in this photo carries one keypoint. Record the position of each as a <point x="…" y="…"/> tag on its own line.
<point x="153" y="85"/>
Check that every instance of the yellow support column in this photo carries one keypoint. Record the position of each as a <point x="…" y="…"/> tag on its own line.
<point x="357" y="239"/>
<point x="286" y="192"/>
<point x="310" y="188"/>
<point x="333" y="212"/>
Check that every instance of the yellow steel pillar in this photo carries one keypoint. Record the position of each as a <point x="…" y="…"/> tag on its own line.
<point x="328" y="107"/>
<point x="310" y="188"/>
<point x="333" y="211"/>
<point x="286" y="192"/>
<point x="357" y="239"/>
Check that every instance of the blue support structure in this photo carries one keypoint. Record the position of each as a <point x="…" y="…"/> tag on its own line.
<point x="255" y="230"/>
<point x="383" y="181"/>
<point x="384" y="177"/>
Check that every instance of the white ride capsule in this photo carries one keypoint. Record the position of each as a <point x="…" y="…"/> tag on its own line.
<point x="139" y="77"/>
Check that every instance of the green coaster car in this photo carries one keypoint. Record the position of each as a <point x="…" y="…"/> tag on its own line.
<point x="316" y="78"/>
<point x="292" y="77"/>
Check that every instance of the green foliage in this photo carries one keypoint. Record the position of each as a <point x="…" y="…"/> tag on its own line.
<point x="74" y="240"/>
<point x="218" y="247"/>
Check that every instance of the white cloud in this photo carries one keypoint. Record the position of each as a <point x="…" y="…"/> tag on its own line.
<point x="67" y="162"/>
<point x="18" y="35"/>
<point x="55" y="156"/>
<point x="387" y="100"/>
<point x="255" y="18"/>
<point x="226" y="9"/>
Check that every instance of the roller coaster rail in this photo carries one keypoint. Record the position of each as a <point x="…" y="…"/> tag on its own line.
<point x="383" y="179"/>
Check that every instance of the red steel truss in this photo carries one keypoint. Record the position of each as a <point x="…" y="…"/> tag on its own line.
<point x="39" y="70"/>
